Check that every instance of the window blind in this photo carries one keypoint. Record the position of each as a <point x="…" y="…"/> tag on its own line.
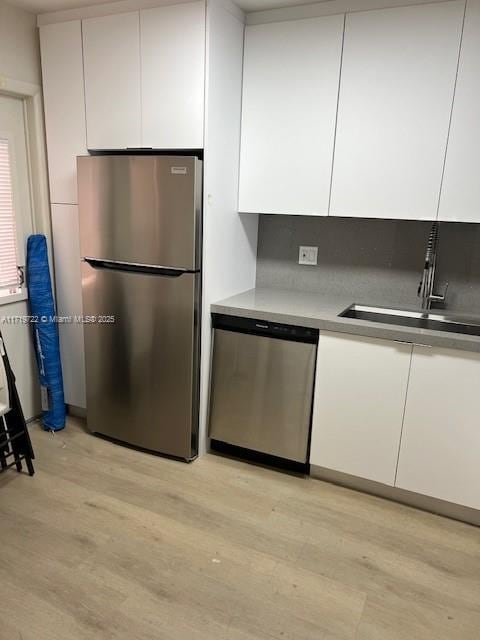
<point x="8" y="236"/>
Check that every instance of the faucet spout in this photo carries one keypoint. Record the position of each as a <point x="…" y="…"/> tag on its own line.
<point x="427" y="283"/>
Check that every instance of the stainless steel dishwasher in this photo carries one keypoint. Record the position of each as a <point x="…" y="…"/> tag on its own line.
<point x="262" y="386"/>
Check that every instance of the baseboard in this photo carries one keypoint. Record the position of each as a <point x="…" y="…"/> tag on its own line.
<point x="78" y="412"/>
<point x="426" y="503"/>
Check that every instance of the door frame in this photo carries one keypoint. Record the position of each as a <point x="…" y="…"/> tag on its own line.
<point x="31" y="95"/>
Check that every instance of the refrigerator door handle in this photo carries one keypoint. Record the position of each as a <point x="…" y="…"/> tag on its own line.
<point x="133" y="267"/>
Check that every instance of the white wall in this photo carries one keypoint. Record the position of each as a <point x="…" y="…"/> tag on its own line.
<point x="19" y="48"/>
<point x="20" y="60"/>
<point x="230" y="239"/>
<point x="326" y="8"/>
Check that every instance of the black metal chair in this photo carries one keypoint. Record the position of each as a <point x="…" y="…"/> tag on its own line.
<point x="15" y="444"/>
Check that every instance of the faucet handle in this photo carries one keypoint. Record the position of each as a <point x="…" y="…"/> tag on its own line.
<point x="439" y="297"/>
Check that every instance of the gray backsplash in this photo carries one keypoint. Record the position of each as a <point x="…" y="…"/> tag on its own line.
<point x="369" y="260"/>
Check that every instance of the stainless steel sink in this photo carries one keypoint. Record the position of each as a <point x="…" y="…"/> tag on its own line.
<point x="418" y="319"/>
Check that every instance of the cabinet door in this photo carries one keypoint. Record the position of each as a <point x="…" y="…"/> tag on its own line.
<point x="173" y="76"/>
<point x="62" y="73"/>
<point x="398" y="77"/>
<point x="112" y="81"/>
<point x="290" y="90"/>
<point x="359" y="400"/>
<point x="460" y="195"/>
<point x="66" y="249"/>
<point x="439" y="454"/>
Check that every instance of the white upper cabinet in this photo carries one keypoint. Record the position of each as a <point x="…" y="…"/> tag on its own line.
<point x="145" y="78"/>
<point x="397" y="84"/>
<point x="112" y="81"/>
<point x="290" y="90"/>
<point x="460" y="198"/>
<point x="360" y="391"/>
<point x="440" y="448"/>
<point x="173" y="76"/>
<point x="62" y="71"/>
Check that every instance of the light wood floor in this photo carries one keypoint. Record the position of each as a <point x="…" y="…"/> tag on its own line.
<point x="105" y="543"/>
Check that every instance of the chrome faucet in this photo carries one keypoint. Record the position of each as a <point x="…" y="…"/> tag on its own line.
<point x="427" y="283"/>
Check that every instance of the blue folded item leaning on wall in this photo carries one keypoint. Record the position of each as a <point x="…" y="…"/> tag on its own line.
<point x="45" y="333"/>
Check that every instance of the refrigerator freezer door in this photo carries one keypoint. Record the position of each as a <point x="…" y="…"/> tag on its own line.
<point x="141" y="209"/>
<point x="141" y="369"/>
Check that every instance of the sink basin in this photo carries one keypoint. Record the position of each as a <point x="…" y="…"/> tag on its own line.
<point x="418" y="319"/>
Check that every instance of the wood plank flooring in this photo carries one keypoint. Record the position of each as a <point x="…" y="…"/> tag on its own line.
<point x="109" y="543"/>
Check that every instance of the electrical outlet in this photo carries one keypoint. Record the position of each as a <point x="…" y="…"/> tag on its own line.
<point x="308" y="255"/>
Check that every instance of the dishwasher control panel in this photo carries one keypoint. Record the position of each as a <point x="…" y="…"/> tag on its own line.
<point x="265" y="328"/>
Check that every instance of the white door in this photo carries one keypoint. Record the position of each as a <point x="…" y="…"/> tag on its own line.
<point x="397" y="84"/>
<point x="111" y="54"/>
<point x="173" y="76"/>
<point x="440" y="450"/>
<point x="64" y="99"/>
<point x="359" y="399"/>
<point x="66" y="242"/>
<point x="460" y="195"/>
<point x="290" y="90"/>
<point x="16" y="226"/>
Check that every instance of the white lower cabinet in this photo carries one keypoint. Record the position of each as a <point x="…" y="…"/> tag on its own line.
<point x="68" y="288"/>
<point x="360" y="391"/>
<point x="440" y="448"/>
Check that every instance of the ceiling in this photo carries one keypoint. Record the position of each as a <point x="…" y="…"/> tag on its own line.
<point x="42" y="6"/>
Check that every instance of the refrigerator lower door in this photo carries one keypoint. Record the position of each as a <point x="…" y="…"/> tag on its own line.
<point x="141" y="351"/>
<point x="261" y="393"/>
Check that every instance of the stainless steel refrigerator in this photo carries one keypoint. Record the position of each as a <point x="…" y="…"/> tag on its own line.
<point x="140" y="239"/>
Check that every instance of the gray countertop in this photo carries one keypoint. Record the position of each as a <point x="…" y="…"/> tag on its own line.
<point x="321" y="311"/>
